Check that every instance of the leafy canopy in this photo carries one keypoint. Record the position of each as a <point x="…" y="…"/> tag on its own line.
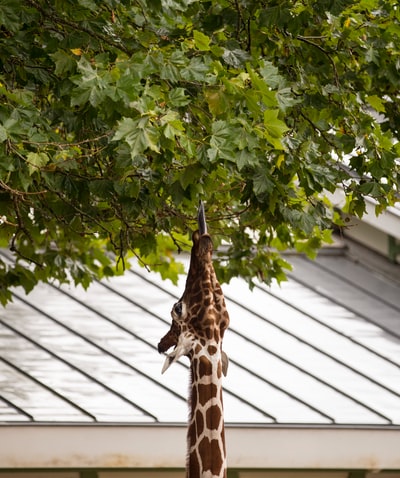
<point x="116" y="117"/>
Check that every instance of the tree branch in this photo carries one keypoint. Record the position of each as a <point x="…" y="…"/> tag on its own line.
<point x="50" y="14"/>
<point x="325" y="52"/>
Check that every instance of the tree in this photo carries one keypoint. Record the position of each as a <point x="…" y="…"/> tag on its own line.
<point x="116" y="117"/>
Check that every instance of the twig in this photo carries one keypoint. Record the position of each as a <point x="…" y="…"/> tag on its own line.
<point x="16" y="192"/>
<point x="77" y="26"/>
<point x="67" y="145"/>
<point x="322" y="133"/>
<point x="325" y="52"/>
<point x="21" y="229"/>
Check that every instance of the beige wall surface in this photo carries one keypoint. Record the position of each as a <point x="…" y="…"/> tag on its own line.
<point x="181" y="474"/>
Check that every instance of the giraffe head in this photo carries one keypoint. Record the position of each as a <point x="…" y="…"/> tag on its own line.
<point x="200" y="317"/>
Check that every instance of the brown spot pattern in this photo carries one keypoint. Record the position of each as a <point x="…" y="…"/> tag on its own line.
<point x="211" y="455"/>
<point x="192" y="435"/>
<point x="193" y="396"/>
<point x="209" y="333"/>
<point x="194" y="466"/>
<point x="205" y="367"/>
<point x="213" y="417"/>
<point x="206" y="392"/>
<point x="199" y="423"/>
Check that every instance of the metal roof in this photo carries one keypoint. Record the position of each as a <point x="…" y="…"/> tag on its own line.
<point x="321" y="349"/>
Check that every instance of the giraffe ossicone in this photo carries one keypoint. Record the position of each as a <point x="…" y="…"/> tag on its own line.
<point x="199" y="321"/>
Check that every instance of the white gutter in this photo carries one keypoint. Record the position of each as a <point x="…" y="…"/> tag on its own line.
<point x="388" y="221"/>
<point x="163" y="446"/>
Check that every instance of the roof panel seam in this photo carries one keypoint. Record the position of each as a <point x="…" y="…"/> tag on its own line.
<point x="341" y="304"/>
<point x="71" y="365"/>
<point x="111" y="354"/>
<point x="300" y="368"/>
<point x="16" y="407"/>
<point x="350" y="282"/>
<point x="322" y="352"/>
<point x="329" y="327"/>
<point x="42" y="384"/>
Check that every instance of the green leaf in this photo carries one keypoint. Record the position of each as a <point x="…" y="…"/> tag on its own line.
<point x="65" y="62"/>
<point x="90" y="4"/>
<point x="190" y="175"/>
<point x="222" y="141"/>
<point x="178" y="97"/>
<point x="90" y="86"/>
<point x="300" y="220"/>
<point x="260" y="86"/>
<point x="36" y="161"/>
<point x="139" y="134"/>
<point x="376" y="103"/>
<point x="173" y="126"/>
<point x="309" y="247"/>
<point x="346" y="143"/>
<point x="10" y="15"/>
<point x="275" y="15"/>
<point x="274" y="128"/>
<point x="370" y="188"/>
<point x="262" y="182"/>
<point x="3" y="134"/>
<point x="196" y="70"/>
<point x="201" y="41"/>
<point x="271" y="76"/>
<point x="286" y="99"/>
<point x="246" y="158"/>
<point x="236" y="57"/>
<point x="217" y="100"/>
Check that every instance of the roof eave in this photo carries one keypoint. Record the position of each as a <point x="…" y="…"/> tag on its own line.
<point x="122" y="446"/>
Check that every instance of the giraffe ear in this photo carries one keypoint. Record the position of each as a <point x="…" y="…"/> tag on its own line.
<point x="183" y="347"/>
<point x="225" y="362"/>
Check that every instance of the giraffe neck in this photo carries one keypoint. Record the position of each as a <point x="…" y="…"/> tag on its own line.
<point x="206" y="434"/>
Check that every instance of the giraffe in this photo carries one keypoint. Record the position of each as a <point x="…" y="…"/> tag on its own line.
<point x="199" y="320"/>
